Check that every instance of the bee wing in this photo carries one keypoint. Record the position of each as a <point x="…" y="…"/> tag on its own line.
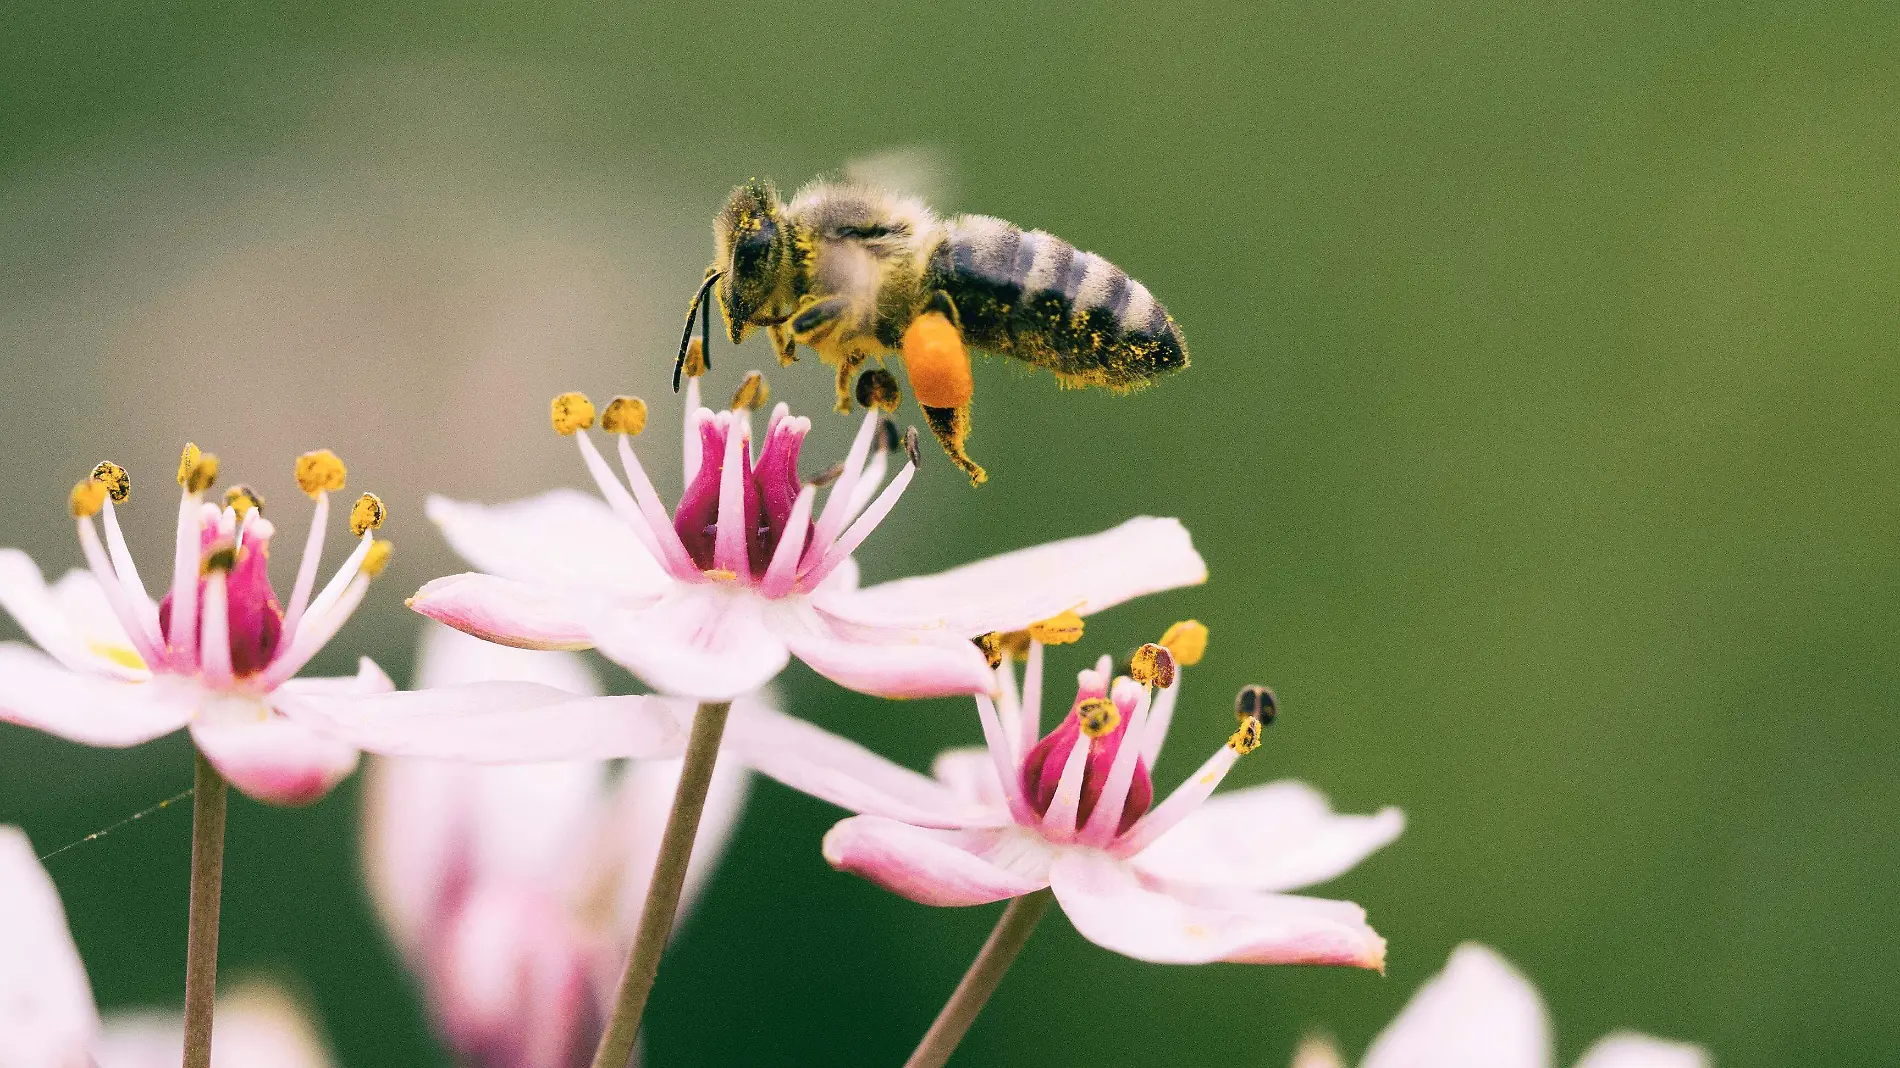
<point x="921" y="171"/>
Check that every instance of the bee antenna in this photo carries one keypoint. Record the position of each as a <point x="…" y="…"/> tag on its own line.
<point x="686" y="336"/>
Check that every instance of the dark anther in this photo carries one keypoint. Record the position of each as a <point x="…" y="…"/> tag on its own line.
<point x="888" y="439"/>
<point x="877" y="388"/>
<point x="910" y="445"/>
<point x="827" y="476"/>
<point x="1256" y="703"/>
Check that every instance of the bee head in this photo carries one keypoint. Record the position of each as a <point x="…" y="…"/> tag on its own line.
<point x="753" y="241"/>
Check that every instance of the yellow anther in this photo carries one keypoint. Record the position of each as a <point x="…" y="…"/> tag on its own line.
<point x="1098" y="716"/>
<point x="572" y="413"/>
<point x="752" y="394"/>
<point x="877" y="388"/>
<point x="1152" y="664"/>
<point x="695" y="359"/>
<point x="87" y="498"/>
<point x="624" y="415"/>
<point x="1058" y="630"/>
<point x="378" y="557"/>
<point x="241" y="499"/>
<point x="720" y="574"/>
<point x="367" y="514"/>
<point x="1246" y="739"/>
<point x="321" y="472"/>
<point x="197" y="470"/>
<point x="118" y="484"/>
<point x="1187" y="640"/>
<point x="991" y="646"/>
<point x="223" y="558"/>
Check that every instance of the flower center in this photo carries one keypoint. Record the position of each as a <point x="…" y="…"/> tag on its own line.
<point x="1102" y="725"/>
<point x="255" y="619"/>
<point x="768" y="488"/>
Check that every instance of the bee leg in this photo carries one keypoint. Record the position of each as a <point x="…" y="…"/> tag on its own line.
<point x="952" y="427"/>
<point x="848" y="365"/>
<point x="784" y="343"/>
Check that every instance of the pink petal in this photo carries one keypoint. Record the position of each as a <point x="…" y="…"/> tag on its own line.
<point x="562" y="538"/>
<point x="883" y="662"/>
<point x="1280" y="836"/>
<point x="811" y="759"/>
<point x="1477" y="1013"/>
<point x="508" y="612"/>
<point x="708" y="642"/>
<point x="495" y="723"/>
<point x="449" y="656"/>
<point x="1009" y="592"/>
<point x="934" y="867"/>
<point x="1630" y="1050"/>
<point x="46" y="1010"/>
<point x="71" y="620"/>
<point x="267" y="756"/>
<point x="40" y="693"/>
<point x="1111" y="906"/>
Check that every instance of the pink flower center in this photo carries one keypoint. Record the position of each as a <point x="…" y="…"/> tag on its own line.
<point x="256" y="620"/>
<point x="769" y="487"/>
<point x="1042" y="768"/>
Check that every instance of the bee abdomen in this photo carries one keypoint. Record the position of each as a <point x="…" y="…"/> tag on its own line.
<point x="1034" y="296"/>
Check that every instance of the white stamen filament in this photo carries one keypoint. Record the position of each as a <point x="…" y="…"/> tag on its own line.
<point x="862" y="529"/>
<point x="184" y="628"/>
<point x="1160" y="717"/>
<point x="689" y="462"/>
<point x="215" y="658"/>
<point x="783" y="570"/>
<point x="127" y="570"/>
<point x="1032" y="699"/>
<point x="729" y="531"/>
<point x="1006" y="770"/>
<point x="779" y="412"/>
<point x="1058" y="822"/>
<point x="307" y="567"/>
<point x="869" y="481"/>
<point x="1106" y="817"/>
<point x="1185" y="799"/>
<point x="837" y="505"/>
<point x="320" y="625"/>
<point x="115" y="593"/>
<point x="672" y="555"/>
<point x="352" y="566"/>
<point x="616" y="494"/>
<point x="1009" y="706"/>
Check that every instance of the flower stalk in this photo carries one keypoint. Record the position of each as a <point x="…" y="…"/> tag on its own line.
<point x="1012" y="931"/>
<point x="663" y="892"/>
<point x="207" y="889"/>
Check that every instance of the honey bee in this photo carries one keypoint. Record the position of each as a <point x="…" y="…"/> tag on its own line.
<point x="854" y="272"/>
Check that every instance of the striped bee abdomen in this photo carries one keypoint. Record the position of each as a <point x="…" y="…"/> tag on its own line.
<point x="1035" y="297"/>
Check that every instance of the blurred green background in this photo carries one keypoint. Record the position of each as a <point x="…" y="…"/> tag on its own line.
<point x="1540" y="438"/>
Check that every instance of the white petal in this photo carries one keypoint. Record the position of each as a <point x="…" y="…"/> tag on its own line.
<point x="47" y="1019"/>
<point x="495" y="723"/>
<point x="1009" y="592"/>
<point x="809" y="758"/>
<point x="706" y="641"/>
<point x="71" y="620"/>
<point x="449" y="656"/>
<point x="1110" y="905"/>
<point x="970" y="774"/>
<point x="562" y="538"/>
<point x="507" y="612"/>
<point x="937" y="867"/>
<point x="257" y="1026"/>
<point x="881" y="661"/>
<point x="1280" y="836"/>
<point x="1626" y="1049"/>
<point x="1477" y="1013"/>
<point x="37" y="691"/>
<point x="268" y="756"/>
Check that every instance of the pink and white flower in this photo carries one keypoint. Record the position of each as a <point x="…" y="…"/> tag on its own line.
<point x="218" y="654"/>
<point x="514" y="892"/>
<point x="47" y="1015"/>
<point x="1192" y="880"/>
<point x="712" y="599"/>
<point x="1480" y="1013"/>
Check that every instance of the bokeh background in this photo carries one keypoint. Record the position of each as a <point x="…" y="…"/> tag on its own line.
<point x="1540" y="438"/>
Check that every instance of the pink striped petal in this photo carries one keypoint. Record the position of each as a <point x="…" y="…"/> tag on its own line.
<point x="1629" y="1050"/>
<point x="496" y="723"/>
<point x="1009" y="592"/>
<point x="268" y="756"/>
<point x="1111" y="906"/>
<point x="1280" y="836"/>
<point x="811" y="759"/>
<point x="932" y="867"/>
<point x="501" y="610"/>
<point x="708" y="642"/>
<point x="46" y="1010"/>
<point x="37" y="691"/>
<point x="883" y="662"/>
<point x="563" y="538"/>
<point x="1477" y="1013"/>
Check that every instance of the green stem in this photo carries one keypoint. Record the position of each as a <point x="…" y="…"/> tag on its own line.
<point x="207" y="888"/>
<point x="663" y="892"/>
<point x="986" y="972"/>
